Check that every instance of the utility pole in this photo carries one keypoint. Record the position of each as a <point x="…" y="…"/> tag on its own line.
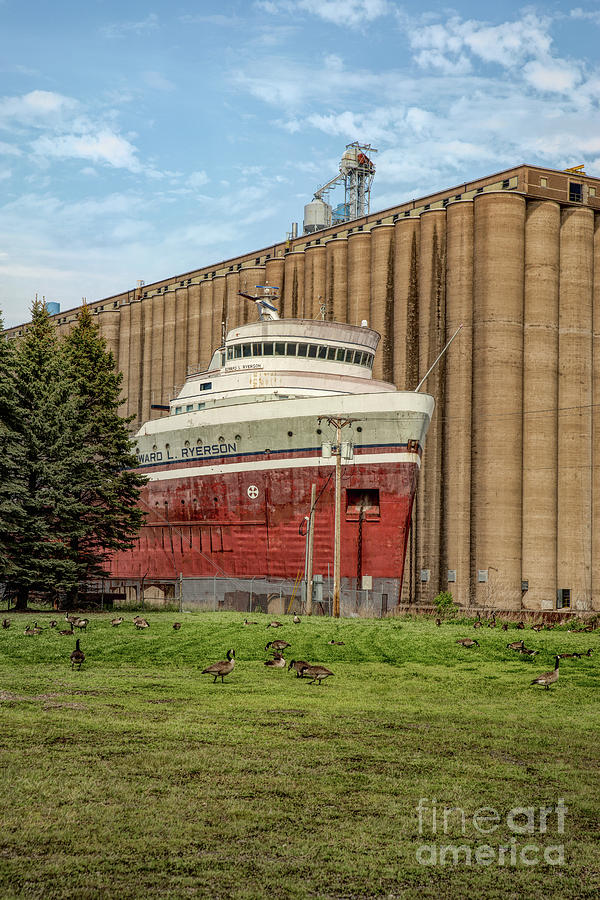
<point x="338" y="423"/>
<point x="310" y="543"/>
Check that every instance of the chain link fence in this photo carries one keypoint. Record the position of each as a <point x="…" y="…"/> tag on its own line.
<point x="247" y="595"/>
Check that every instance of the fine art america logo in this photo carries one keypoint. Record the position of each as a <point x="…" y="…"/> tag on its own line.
<point x="521" y="822"/>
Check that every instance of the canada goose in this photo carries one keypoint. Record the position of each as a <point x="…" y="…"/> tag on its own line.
<point x="275" y="625"/>
<point x="6" y="623"/>
<point x="221" y="668"/>
<point x="116" y="622"/>
<point x="548" y="678"/>
<point x="296" y="620"/>
<point x="438" y="622"/>
<point x="67" y="631"/>
<point x="278" y="662"/>
<point x="477" y="624"/>
<point x="520" y="625"/>
<point x="570" y="655"/>
<point x="504" y="626"/>
<point x="339" y="643"/>
<point x="492" y="622"/>
<point x="298" y="665"/>
<point x="176" y="626"/>
<point x="277" y="645"/>
<point x="31" y="631"/>
<point x="589" y="652"/>
<point x="468" y="642"/>
<point x="70" y="618"/>
<point x="141" y="623"/>
<point x="537" y="627"/>
<point x="549" y="627"/>
<point x="77" y="656"/>
<point x="82" y="623"/>
<point x="246" y="622"/>
<point x="516" y="645"/>
<point x="316" y="673"/>
<point x="53" y="623"/>
<point x="528" y="652"/>
<point x="137" y="619"/>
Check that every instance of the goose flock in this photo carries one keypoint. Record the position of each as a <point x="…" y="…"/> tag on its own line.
<point x="316" y="673"/>
<point x="546" y="678"/>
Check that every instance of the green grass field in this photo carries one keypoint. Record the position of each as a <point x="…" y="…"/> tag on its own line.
<point x="139" y="777"/>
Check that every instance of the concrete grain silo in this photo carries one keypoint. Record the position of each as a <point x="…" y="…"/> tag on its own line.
<point x="456" y="525"/>
<point x="406" y="300"/>
<point x="274" y="275"/>
<point x="193" y="328"/>
<point x="168" y="349"/>
<point x="497" y="443"/>
<point x="292" y="294"/>
<point x="234" y="301"/>
<point x="124" y="357"/>
<point x="381" y="316"/>
<point x="359" y="277"/>
<point x="335" y="299"/>
<point x="147" y="357"/>
<point x="540" y="400"/>
<point x="206" y="323"/>
<point x="596" y="421"/>
<point x="156" y="376"/>
<point x="432" y="318"/>
<point x="109" y="321"/>
<point x="574" y="404"/>
<point x="315" y="273"/>
<point x="219" y="310"/>
<point x="250" y="277"/>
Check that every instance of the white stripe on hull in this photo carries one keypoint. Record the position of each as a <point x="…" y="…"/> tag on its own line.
<point x="363" y="459"/>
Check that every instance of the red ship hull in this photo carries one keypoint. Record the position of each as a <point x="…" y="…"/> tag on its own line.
<point x="252" y="523"/>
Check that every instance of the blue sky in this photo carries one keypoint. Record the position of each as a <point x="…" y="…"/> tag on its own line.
<point x="140" y="140"/>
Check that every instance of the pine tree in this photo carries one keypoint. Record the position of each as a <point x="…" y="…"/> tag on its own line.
<point x="105" y="487"/>
<point x="41" y="438"/>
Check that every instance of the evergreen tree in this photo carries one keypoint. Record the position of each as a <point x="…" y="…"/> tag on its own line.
<point x="41" y="437"/>
<point x="105" y="489"/>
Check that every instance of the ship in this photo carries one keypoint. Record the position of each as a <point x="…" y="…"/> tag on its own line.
<point x="231" y="467"/>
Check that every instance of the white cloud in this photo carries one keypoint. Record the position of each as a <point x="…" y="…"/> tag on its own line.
<point x="507" y="44"/>
<point x="198" y="179"/>
<point x="103" y="147"/>
<point x="38" y="109"/>
<point x="589" y="15"/>
<point x="556" y="76"/>
<point x="348" y="13"/>
<point x="158" y="81"/>
<point x="123" y="29"/>
<point x="9" y="149"/>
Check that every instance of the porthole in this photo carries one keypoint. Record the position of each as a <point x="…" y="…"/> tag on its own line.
<point x="167" y="446"/>
<point x="238" y="437"/>
<point x="183" y="502"/>
<point x="359" y="428"/>
<point x="199" y="442"/>
<point x="187" y="444"/>
<point x="154" y="447"/>
<point x="319" y="431"/>
<point x="290" y="433"/>
<point x="221" y="439"/>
